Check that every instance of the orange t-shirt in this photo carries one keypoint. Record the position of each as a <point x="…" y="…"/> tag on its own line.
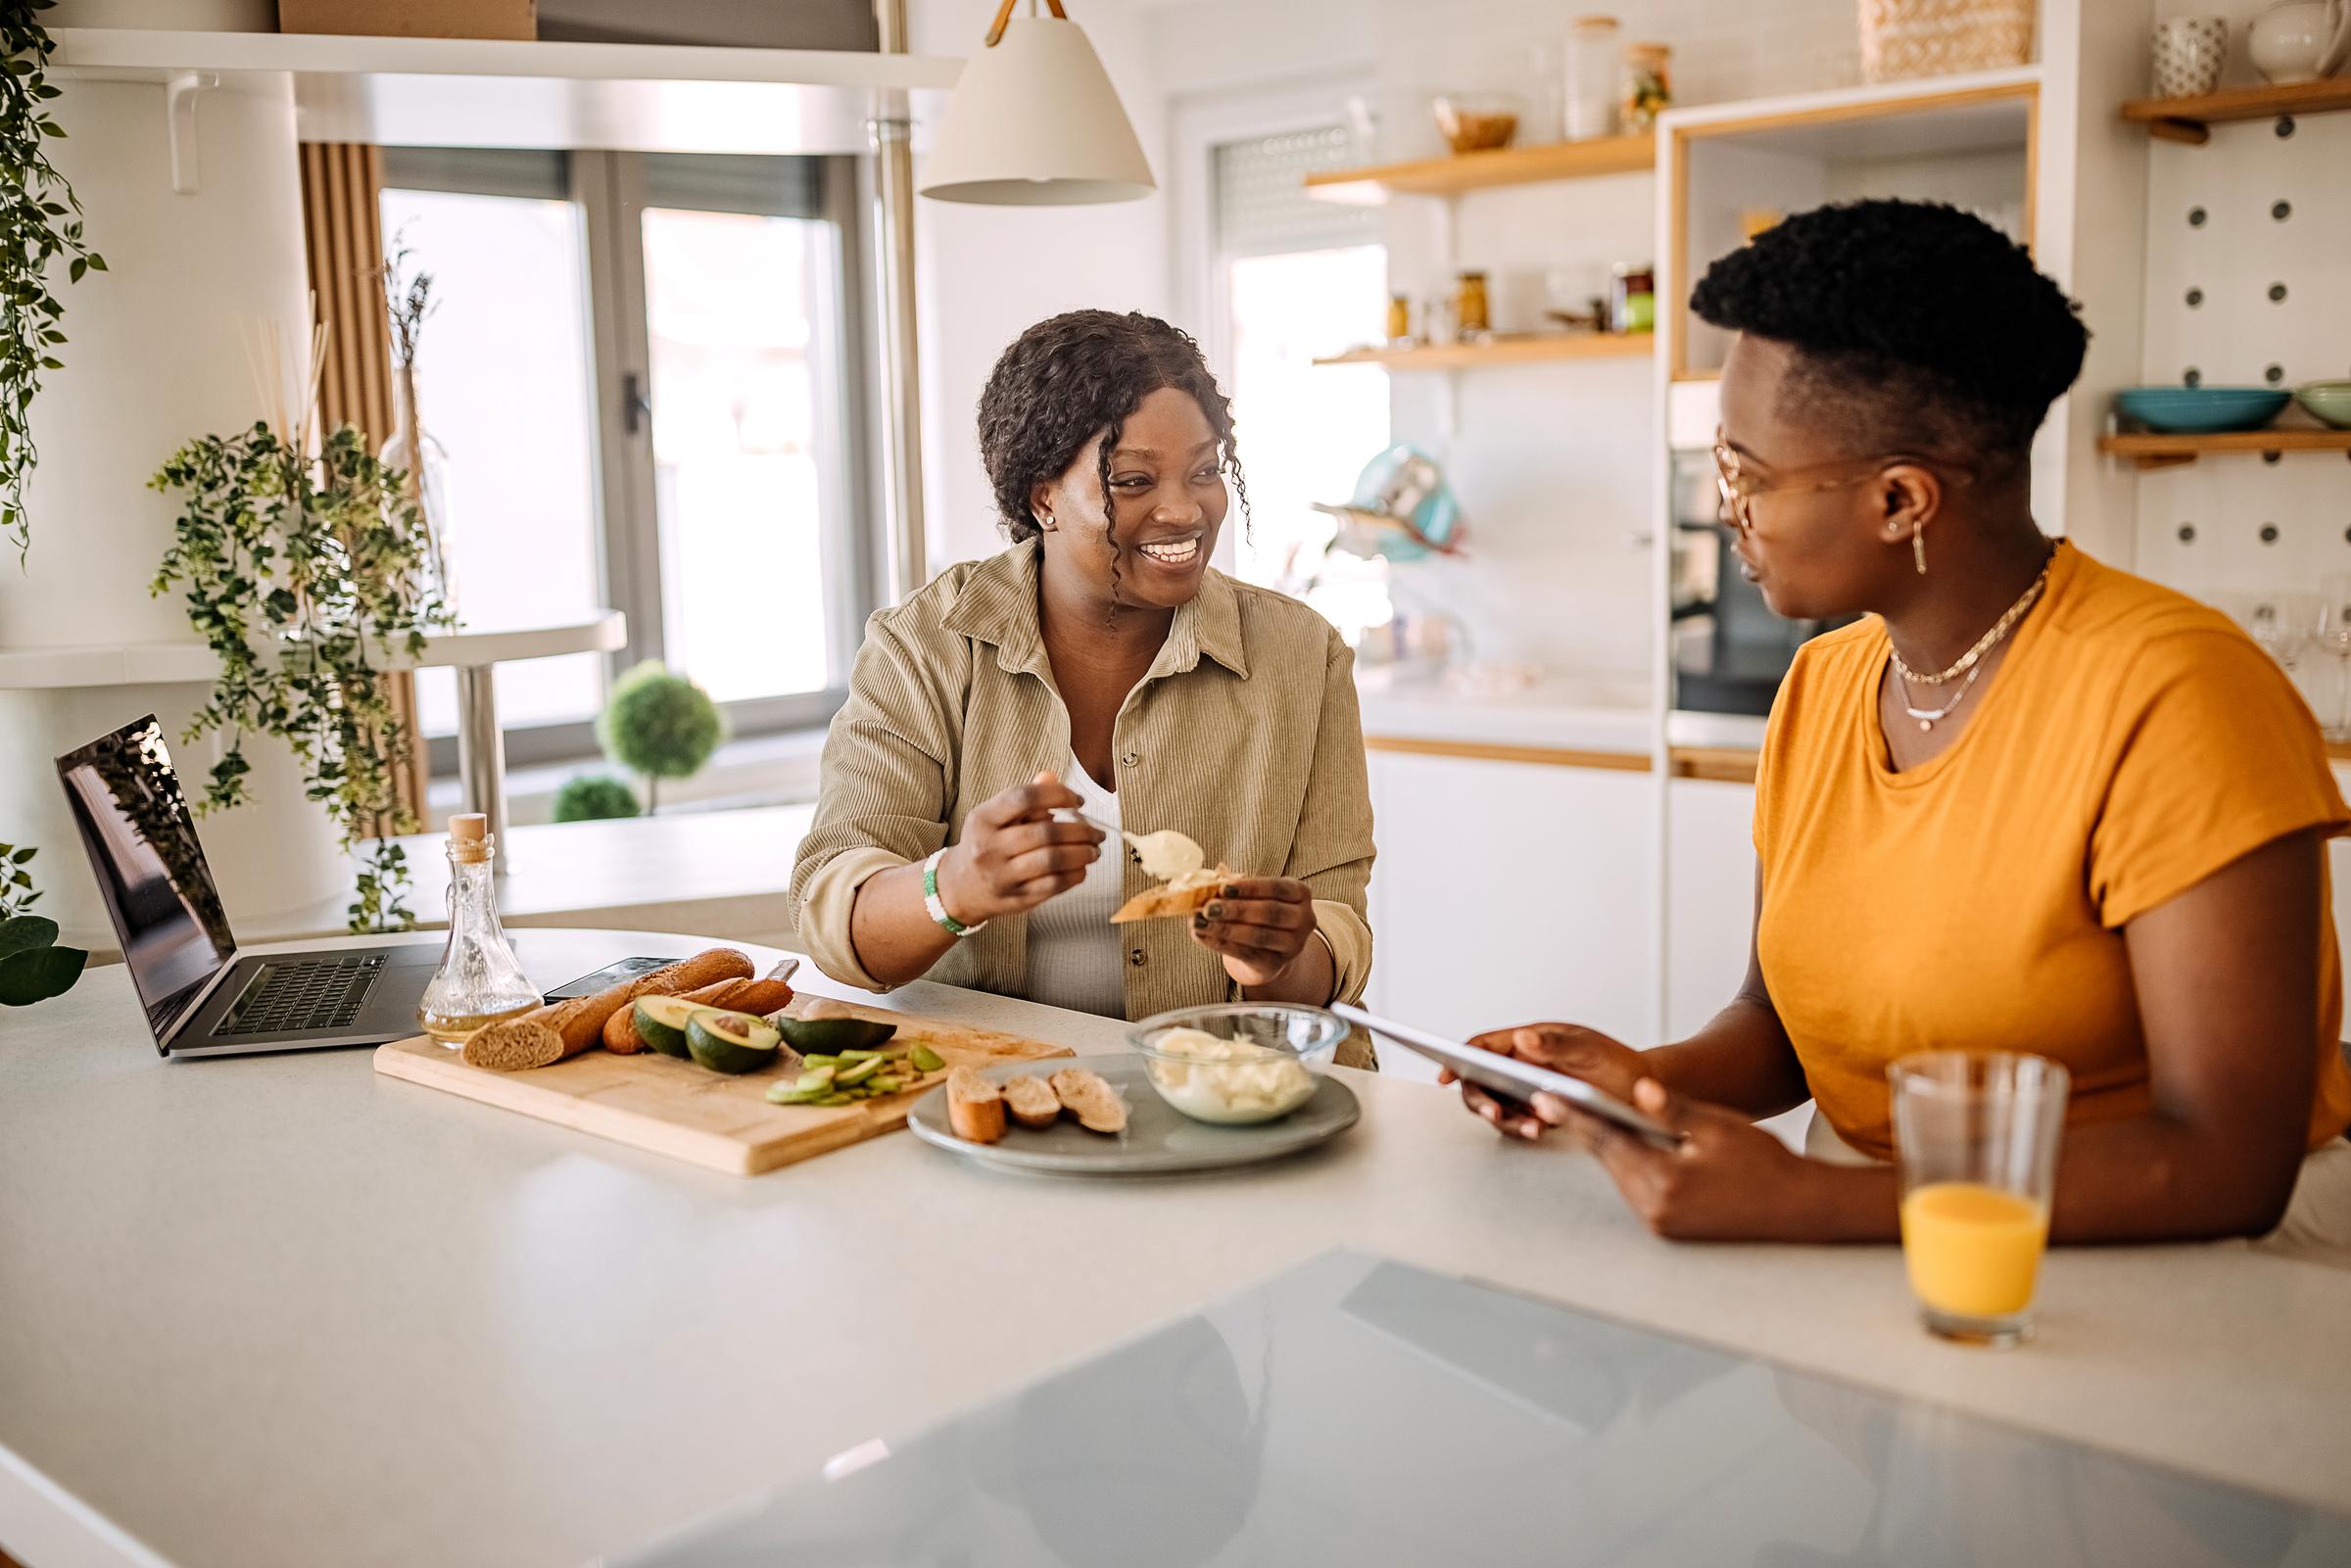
<point x="2131" y="743"/>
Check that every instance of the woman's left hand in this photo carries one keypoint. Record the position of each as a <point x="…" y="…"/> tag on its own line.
<point x="1259" y="924"/>
<point x="1727" y="1180"/>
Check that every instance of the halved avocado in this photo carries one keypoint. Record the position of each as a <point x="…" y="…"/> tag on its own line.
<point x="661" y="1022"/>
<point x="831" y="1036"/>
<point x="731" y="1042"/>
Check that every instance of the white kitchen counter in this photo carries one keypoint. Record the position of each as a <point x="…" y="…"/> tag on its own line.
<point x="280" y="1310"/>
<point x="1562" y="713"/>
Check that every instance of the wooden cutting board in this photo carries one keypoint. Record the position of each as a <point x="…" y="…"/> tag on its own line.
<point x="655" y="1102"/>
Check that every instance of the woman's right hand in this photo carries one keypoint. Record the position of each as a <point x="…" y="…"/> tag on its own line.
<point x="1608" y="1064"/>
<point x="1015" y="853"/>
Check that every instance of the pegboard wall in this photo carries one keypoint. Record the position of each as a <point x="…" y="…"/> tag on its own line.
<point x="2249" y="251"/>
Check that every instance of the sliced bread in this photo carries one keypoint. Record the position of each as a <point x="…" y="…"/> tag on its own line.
<point x="975" y="1106"/>
<point x="1032" y="1101"/>
<point x="1091" y="1100"/>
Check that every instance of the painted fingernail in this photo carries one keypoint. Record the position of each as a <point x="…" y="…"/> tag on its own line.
<point x="1199" y="922"/>
<point x="1230" y="892"/>
<point x="1215" y="912"/>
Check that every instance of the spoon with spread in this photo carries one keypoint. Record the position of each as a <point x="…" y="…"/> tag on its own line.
<point x="1166" y="855"/>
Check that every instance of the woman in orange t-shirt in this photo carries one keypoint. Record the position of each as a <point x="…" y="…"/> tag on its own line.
<point x="2030" y="803"/>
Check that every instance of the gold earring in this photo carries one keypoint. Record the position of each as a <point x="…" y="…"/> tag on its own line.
<point x="1918" y="546"/>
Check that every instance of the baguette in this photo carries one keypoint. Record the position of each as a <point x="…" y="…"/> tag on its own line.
<point x="975" y="1106"/>
<point x="1032" y="1102"/>
<point x="1089" y="1097"/>
<point x="551" y="1033"/>
<point x="758" y="998"/>
<point x="1172" y="899"/>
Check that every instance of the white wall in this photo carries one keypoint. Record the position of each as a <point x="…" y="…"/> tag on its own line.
<point x="986" y="273"/>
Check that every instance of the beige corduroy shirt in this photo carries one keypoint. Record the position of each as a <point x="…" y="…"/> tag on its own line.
<point x="1243" y="734"/>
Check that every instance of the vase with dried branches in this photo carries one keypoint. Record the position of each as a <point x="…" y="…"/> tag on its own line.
<point x="413" y="450"/>
<point x="304" y="566"/>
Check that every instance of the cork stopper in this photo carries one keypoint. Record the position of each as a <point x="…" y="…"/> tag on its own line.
<point x="469" y="838"/>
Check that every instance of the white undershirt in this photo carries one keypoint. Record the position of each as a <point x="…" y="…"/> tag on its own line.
<point x="1074" y="958"/>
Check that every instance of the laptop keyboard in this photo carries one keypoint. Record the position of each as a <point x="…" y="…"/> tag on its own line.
<point x="312" y="993"/>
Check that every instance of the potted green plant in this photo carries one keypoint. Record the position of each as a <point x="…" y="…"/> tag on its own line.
<point x="40" y="220"/>
<point x="32" y="967"/>
<point x="306" y="574"/>
<point x="595" y="797"/>
<point x="661" y="724"/>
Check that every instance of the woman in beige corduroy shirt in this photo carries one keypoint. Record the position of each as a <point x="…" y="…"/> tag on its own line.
<point x="1222" y="710"/>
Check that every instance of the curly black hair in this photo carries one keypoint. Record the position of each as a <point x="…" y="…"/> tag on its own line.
<point x="1072" y="377"/>
<point x="1920" y="326"/>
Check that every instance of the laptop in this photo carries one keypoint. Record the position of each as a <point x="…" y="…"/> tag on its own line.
<point x="203" y="997"/>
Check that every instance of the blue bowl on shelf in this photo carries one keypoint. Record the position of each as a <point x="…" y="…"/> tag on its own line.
<point x="2201" y="410"/>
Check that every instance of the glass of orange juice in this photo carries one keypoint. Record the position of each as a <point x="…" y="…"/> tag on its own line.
<point x="1976" y="1134"/>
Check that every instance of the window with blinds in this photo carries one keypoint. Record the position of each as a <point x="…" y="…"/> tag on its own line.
<point x="1262" y="204"/>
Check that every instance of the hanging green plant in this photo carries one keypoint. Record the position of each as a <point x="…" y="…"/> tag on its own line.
<point x="40" y="220"/>
<point x="17" y="893"/>
<point x="303" y="575"/>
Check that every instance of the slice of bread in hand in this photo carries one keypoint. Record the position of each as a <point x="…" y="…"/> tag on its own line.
<point x="1088" y="1097"/>
<point x="975" y="1106"/>
<point x="1171" y="900"/>
<point x="1032" y="1101"/>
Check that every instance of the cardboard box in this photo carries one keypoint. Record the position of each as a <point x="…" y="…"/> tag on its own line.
<point x="413" y="18"/>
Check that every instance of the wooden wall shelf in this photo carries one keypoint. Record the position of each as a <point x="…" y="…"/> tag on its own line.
<point x="2150" y="450"/>
<point x="1478" y="171"/>
<point x="1546" y="348"/>
<point x="2190" y="120"/>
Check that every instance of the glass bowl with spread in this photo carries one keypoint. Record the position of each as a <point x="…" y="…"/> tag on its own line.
<point x="1237" y="1064"/>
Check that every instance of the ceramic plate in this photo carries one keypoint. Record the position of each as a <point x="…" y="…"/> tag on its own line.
<point x="1159" y="1139"/>
<point x="2201" y="409"/>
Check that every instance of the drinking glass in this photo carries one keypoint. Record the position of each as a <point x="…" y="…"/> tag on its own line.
<point x="2280" y="622"/>
<point x="2331" y="632"/>
<point x="1976" y="1135"/>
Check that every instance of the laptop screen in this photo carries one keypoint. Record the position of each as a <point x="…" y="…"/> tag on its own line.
<point x="133" y="820"/>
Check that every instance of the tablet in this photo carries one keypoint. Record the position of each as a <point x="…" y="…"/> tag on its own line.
<point x="1511" y="1078"/>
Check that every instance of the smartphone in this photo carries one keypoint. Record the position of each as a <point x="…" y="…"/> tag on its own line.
<point x="1511" y="1078"/>
<point x="611" y="974"/>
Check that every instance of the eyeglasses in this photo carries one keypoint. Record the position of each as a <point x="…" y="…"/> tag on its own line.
<point x="1740" y="485"/>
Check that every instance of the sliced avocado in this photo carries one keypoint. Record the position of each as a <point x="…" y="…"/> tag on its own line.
<point x="856" y="1074"/>
<point x="816" y="1078"/>
<point x="927" y="1060"/>
<point x="834" y="1036"/>
<point x="731" y="1042"/>
<point x="661" y="1022"/>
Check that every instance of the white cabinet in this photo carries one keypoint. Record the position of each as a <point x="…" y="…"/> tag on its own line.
<point x="1507" y="892"/>
<point x="1709" y="897"/>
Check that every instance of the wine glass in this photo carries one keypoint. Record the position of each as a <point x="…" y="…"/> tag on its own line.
<point x="2330" y="633"/>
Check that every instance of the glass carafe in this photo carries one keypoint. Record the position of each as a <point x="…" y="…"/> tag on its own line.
<point x="480" y="981"/>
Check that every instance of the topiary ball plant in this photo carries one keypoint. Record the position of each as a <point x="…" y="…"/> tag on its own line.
<point x="660" y="725"/>
<point x="595" y="797"/>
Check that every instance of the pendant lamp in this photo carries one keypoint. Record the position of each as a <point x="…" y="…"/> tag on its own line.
<point x="1035" y="123"/>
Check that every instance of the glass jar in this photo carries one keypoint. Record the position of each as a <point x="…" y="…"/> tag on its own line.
<point x="1647" y="83"/>
<point x="1400" y="317"/>
<point x="1633" y="298"/>
<point x="1470" y="313"/>
<point x="1591" y="86"/>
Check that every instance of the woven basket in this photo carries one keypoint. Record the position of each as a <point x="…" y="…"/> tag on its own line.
<point x="1906" y="39"/>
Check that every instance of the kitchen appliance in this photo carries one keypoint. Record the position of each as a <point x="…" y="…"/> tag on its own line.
<point x="1730" y="652"/>
<point x="1400" y="509"/>
<point x="201" y="996"/>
